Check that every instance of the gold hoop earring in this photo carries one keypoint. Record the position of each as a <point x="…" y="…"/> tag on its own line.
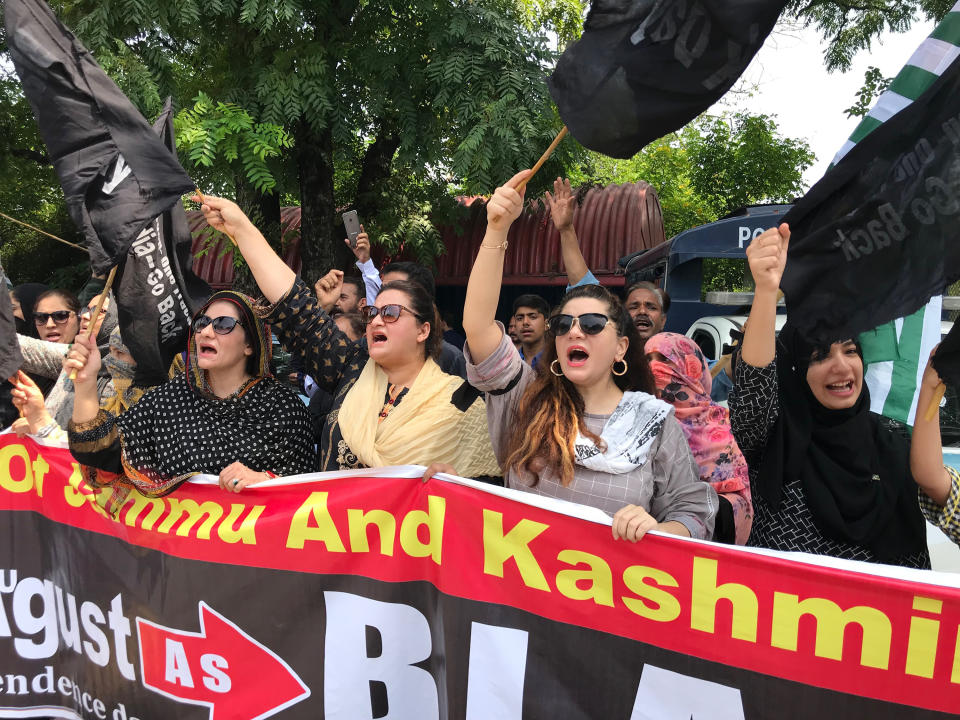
<point x="558" y="374"/>
<point x="622" y="372"/>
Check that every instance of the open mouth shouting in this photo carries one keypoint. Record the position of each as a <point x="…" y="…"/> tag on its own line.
<point x="577" y="356"/>
<point x="378" y="338"/>
<point x="206" y="350"/>
<point x="842" y="389"/>
<point x="642" y="322"/>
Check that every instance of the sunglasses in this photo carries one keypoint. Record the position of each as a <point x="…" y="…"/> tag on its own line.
<point x="59" y="317"/>
<point x="389" y="313"/>
<point x="222" y="325"/>
<point x="590" y="323"/>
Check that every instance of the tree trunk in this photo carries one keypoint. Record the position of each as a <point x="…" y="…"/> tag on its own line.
<point x="374" y="172"/>
<point x="318" y="250"/>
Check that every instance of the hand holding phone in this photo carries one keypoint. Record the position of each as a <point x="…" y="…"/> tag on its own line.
<point x="351" y="223"/>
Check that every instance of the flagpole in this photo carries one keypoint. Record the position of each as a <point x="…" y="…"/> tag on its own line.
<point x="91" y="331"/>
<point x="543" y="158"/>
<point x="42" y="232"/>
<point x="934" y="405"/>
<point x="203" y="200"/>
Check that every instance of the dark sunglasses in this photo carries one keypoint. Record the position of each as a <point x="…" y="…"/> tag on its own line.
<point x="590" y="323"/>
<point x="59" y="317"/>
<point x="222" y="325"/>
<point x="390" y="313"/>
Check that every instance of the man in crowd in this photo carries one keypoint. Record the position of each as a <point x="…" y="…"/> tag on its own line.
<point x="353" y="295"/>
<point x="530" y="319"/>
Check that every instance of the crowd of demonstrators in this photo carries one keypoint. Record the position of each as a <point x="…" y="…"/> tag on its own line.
<point x="590" y="401"/>
<point x="393" y="404"/>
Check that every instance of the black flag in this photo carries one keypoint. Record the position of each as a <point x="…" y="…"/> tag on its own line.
<point x="10" y="357"/>
<point x="156" y="289"/>
<point x="876" y="238"/>
<point x="644" y="68"/>
<point x="116" y="174"/>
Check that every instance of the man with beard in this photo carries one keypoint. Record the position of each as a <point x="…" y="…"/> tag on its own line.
<point x="353" y="295"/>
<point x="646" y="303"/>
<point x="530" y="320"/>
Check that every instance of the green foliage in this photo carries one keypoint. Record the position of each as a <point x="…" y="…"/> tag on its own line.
<point x="874" y="83"/>
<point x="710" y="167"/>
<point x="212" y="131"/>
<point x="850" y="26"/>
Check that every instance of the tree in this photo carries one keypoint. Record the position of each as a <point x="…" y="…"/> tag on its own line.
<point x="429" y="96"/>
<point x="711" y="167"/>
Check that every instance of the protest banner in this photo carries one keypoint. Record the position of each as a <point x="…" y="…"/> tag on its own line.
<point x="368" y="596"/>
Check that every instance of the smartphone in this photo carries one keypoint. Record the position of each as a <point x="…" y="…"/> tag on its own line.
<point x="351" y="222"/>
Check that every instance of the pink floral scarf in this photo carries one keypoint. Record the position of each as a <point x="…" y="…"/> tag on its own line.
<point x="683" y="380"/>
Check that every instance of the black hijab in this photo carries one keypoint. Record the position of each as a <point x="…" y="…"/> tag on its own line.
<point x="855" y="473"/>
<point x="27" y="295"/>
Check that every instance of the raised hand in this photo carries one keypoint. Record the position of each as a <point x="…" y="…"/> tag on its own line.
<point x="767" y="256"/>
<point x="561" y="204"/>
<point x="222" y="214"/>
<point x="506" y="203"/>
<point x="362" y="250"/>
<point x="328" y="289"/>
<point x="84" y="357"/>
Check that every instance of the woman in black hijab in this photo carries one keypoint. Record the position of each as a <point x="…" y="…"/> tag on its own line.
<point x="827" y="477"/>
<point x="24" y="299"/>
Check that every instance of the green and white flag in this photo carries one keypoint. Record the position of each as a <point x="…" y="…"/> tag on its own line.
<point x="896" y="353"/>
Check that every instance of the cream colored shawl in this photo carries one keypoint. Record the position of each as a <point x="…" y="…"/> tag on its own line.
<point x="423" y="428"/>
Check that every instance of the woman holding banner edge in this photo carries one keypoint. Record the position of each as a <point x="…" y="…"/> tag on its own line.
<point x="226" y="415"/>
<point x="585" y="426"/>
<point x="393" y="405"/>
<point x="826" y="476"/>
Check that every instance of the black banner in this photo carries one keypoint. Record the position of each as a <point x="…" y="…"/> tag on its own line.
<point x="644" y="68"/>
<point x="875" y="239"/>
<point x="157" y="291"/>
<point x="116" y="175"/>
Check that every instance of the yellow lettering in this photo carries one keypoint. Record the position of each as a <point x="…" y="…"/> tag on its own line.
<point x="7" y="455"/>
<point x="324" y="530"/>
<point x="831" y="625"/>
<point x="955" y="674"/>
<point x="359" y="521"/>
<point x="193" y="511"/>
<point x="247" y="531"/>
<point x="598" y="575"/>
<point x="498" y="548"/>
<point x="40" y="468"/>
<point x="924" y="634"/>
<point x="74" y="491"/>
<point x="432" y="519"/>
<point x="139" y="503"/>
<point x="706" y="594"/>
<point x="665" y="608"/>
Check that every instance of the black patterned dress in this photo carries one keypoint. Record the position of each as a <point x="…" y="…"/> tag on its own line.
<point x="754" y="408"/>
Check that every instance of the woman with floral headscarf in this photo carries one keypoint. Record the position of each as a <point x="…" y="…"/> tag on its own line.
<point x="683" y="380"/>
<point x="225" y="416"/>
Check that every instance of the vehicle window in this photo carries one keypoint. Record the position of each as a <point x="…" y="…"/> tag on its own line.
<point x="705" y="341"/>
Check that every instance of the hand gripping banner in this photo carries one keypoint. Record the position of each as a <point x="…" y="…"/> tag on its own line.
<point x="349" y="596"/>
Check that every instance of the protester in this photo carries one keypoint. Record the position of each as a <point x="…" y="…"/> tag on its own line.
<point x="585" y="427"/>
<point x="450" y="333"/>
<point x="351" y="324"/>
<point x="827" y="477"/>
<point x="530" y="317"/>
<point x="371" y="277"/>
<point x="939" y="484"/>
<point x="24" y="299"/>
<point x="646" y="303"/>
<point x="393" y="405"/>
<point x="512" y="332"/>
<point x="683" y="380"/>
<point x="56" y="316"/>
<point x="225" y="416"/>
<point x="352" y="297"/>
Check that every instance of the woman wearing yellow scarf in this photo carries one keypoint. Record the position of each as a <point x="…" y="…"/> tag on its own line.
<point x="392" y="405"/>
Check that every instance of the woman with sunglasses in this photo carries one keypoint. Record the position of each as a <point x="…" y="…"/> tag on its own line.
<point x="225" y="416"/>
<point x="392" y="404"/>
<point x="585" y="426"/>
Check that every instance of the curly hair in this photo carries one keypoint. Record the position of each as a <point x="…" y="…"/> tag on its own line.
<point x="549" y="415"/>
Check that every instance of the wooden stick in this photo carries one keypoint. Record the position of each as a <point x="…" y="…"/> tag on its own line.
<point x="934" y="407"/>
<point x="203" y="200"/>
<point x="543" y="158"/>
<point x="92" y="330"/>
<point x="42" y="232"/>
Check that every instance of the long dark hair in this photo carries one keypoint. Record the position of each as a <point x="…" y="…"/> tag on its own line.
<point x="423" y="307"/>
<point x="550" y="412"/>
